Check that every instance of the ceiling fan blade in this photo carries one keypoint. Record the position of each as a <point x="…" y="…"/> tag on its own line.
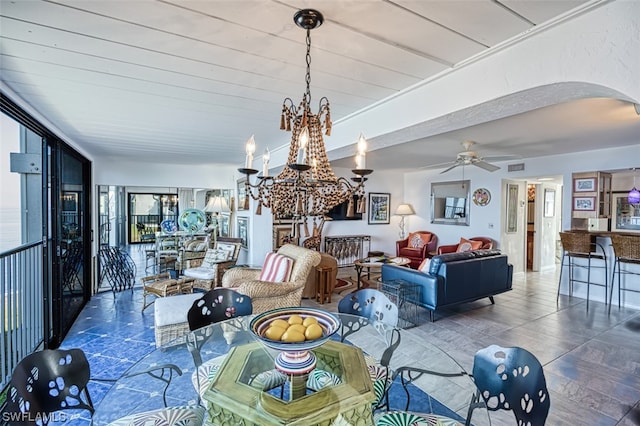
<point x="449" y="168"/>
<point x="484" y="165"/>
<point x="501" y="157"/>
<point x="437" y="166"/>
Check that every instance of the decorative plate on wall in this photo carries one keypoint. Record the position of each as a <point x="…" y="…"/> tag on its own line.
<point x="169" y="226"/>
<point x="192" y="220"/>
<point x="481" y="197"/>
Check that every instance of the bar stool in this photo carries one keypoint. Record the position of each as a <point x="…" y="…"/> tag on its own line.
<point x="579" y="245"/>
<point x="627" y="252"/>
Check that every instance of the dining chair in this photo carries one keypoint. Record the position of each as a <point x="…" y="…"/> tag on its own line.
<point x="627" y="262"/>
<point x="220" y="304"/>
<point x="510" y="379"/>
<point x="374" y="306"/>
<point x="48" y="381"/>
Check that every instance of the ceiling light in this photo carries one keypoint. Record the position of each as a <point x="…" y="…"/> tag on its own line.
<point x="634" y="194"/>
<point x="307" y="187"/>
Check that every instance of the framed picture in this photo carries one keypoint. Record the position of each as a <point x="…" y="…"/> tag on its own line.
<point x="549" y="202"/>
<point x="243" y="231"/>
<point x="625" y="217"/>
<point x="512" y="208"/>
<point x="584" y="203"/>
<point x="241" y="194"/>
<point x="379" y="208"/>
<point x="223" y="224"/>
<point x="584" y="184"/>
<point x="281" y="236"/>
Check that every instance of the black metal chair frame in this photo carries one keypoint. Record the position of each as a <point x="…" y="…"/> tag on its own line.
<point x="409" y="374"/>
<point x="570" y="254"/>
<point x="117" y="268"/>
<point x="505" y="378"/>
<point x="69" y="372"/>
<point x="622" y="258"/>
<point x="365" y="309"/>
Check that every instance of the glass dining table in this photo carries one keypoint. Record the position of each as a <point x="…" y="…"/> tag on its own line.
<point x="345" y="397"/>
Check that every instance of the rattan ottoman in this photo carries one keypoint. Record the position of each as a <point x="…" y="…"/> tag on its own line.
<point x="170" y="315"/>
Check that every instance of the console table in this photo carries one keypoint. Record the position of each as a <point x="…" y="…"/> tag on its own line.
<point x="347" y="248"/>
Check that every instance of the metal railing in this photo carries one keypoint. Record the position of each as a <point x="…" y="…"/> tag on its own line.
<point x="21" y="306"/>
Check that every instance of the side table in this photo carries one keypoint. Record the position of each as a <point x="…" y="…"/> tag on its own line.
<point x="405" y="295"/>
<point x="323" y="292"/>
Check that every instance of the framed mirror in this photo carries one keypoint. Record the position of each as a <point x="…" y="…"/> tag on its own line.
<point x="450" y="202"/>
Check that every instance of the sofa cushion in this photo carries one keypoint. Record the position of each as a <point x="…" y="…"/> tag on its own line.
<point x="276" y="268"/>
<point x="468" y="245"/>
<point x="214" y="256"/>
<point x="437" y="261"/>
<point x="417" y="240"/>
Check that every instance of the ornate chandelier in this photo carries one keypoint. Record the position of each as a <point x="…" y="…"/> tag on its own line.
<point x="307" y="188"/>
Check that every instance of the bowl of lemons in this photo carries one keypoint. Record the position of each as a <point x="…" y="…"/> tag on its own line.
<point x="294" y="329"/>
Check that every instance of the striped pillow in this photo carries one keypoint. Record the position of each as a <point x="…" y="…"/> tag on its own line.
<point x="276" y="268"/>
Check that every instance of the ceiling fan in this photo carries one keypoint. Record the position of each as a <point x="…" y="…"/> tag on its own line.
<point x="470" y="158"/>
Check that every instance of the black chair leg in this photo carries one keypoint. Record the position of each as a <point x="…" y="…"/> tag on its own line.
<point x="492" y="301"/>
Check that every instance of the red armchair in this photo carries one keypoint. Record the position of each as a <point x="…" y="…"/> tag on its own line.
<point x="414" y="251"/>
<point x="487" y="244"/>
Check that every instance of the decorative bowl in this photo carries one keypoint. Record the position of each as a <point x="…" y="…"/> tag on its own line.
<point x="329" y="323"/>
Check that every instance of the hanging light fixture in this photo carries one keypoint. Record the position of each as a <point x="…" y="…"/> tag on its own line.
<point x="634" y="194"/>
<point x="307" y="187"/>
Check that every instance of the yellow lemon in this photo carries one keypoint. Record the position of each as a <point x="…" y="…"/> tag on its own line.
<point x="308" y="321"/>
<point x="295" y="319"/>
<point x="292" y="336"/>
<point x="297" y="327"/>
<point x="279" y="323"/>
<point x="274" y="333"/>
<point x="314" y="331"/>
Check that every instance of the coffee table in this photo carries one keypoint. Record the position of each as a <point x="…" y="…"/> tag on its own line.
<point x="374" y="264"/>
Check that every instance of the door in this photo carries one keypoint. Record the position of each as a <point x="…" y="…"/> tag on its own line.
<point x="513" y="223"/>
<point x="71" y="226"/>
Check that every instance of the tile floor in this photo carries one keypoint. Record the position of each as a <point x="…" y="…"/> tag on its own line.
<point x="591" y="359"/>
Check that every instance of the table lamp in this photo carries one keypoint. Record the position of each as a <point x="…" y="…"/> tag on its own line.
<point x="216" y="205"/>
<point x="402" y="211"/>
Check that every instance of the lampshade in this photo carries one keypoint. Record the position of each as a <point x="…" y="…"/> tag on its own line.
<point x="216" y="204"/>
<point x="405" y="210"/>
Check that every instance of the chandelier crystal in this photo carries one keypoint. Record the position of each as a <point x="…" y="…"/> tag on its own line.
<point x="307" y="188"/>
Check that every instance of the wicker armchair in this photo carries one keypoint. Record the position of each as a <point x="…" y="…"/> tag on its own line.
<point x="268" y="295"/>
<point x="209" y="277"/>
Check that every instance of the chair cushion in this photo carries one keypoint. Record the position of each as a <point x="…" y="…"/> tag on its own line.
<point x="173" y="309"/>
<point x="228" y="247"/>
<point x="468" y="245"/>
<point x="276" y="268"/>
<point x="178" y="416"/>
<point x="410" y="252"/>
<point x="418" y="239"/>
<point x="200" y="273"/>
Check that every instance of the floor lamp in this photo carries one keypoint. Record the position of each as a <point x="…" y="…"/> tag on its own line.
<point x="404" y="210"/>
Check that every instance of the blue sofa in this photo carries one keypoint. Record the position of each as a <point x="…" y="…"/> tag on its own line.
<point x="456" y="278"/>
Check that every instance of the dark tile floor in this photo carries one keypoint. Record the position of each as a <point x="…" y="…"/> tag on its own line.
<point x="591" y="359"/>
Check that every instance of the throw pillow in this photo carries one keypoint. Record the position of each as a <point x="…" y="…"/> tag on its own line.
<point x="228" y="247"/>
<point x="418" y="239"/>
<point x="276" y="268"/>
<point x="424" y="266"/>
<point x="468" y="245"/>
<point x="214" y="256"/>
